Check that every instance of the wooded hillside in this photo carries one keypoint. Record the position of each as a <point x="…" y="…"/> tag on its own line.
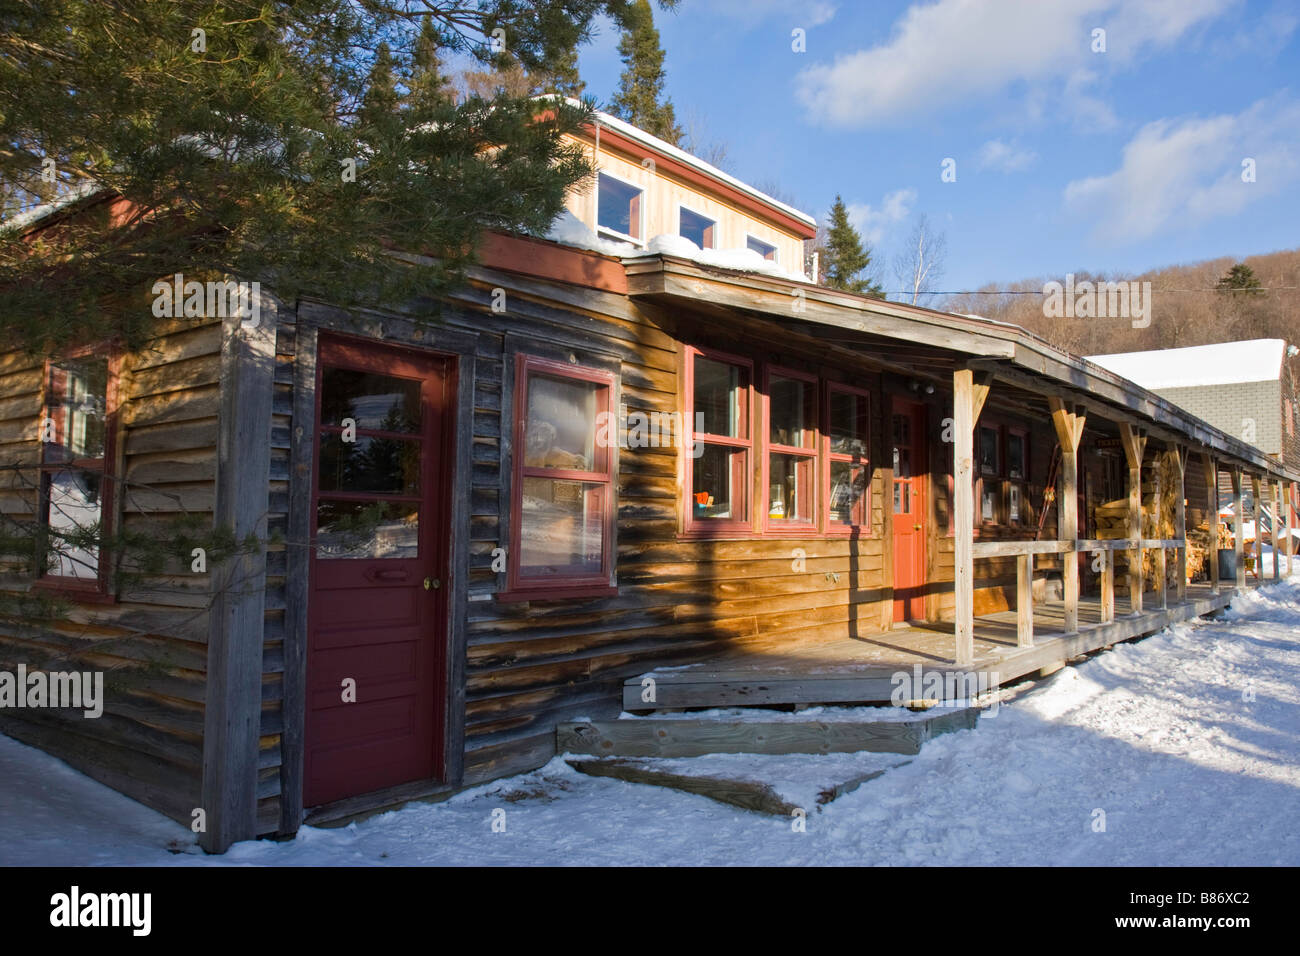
<point x="1186" y="307"/>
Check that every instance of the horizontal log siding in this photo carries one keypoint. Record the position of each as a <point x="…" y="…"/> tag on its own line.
<point x="152" y="643"/>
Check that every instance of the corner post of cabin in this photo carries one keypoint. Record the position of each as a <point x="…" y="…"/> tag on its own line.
<point x="1259" y="529"/>
<point x="1276" y="487"/>
<point x="967" y="401"/>
<point x="1135" y="443"/>
<point x="1157" y="530"/>
<point x="1069" y="434"/>
<point x="1290" y="523"/>
<point x="1211" y="469"/>
<point x="1180" y="520"/>
<point x="1238" y="547"/>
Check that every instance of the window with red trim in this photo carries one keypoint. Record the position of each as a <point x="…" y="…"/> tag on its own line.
<point x="719" y="478"/>
<point x="563" y="511"/>
<point x="1017" y="459"/>
<point x="790" y="466"/>
<point x="849" y="478"/>
<point x="76" y="470"/>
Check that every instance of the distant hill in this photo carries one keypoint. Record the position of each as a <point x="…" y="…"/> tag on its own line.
<point x="1186" y="308"/>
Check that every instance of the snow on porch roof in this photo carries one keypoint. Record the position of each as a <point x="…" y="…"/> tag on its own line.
<point x="1224" y="363"/>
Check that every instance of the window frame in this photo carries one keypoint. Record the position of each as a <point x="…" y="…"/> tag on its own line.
<point x="1022" y="483"/>
<point x="776" y="250"/>
<point x="97" y="589"/>
<point x="829" y="457"/>
<point x="784" y="527"/>
<point x="681" y="206"/>
<point x="713" y="528"/>
<point x="605" y="232"/>
<point x="523" y="587"/>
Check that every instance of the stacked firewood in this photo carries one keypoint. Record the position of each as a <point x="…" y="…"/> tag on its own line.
<point x="1111" y="521"/>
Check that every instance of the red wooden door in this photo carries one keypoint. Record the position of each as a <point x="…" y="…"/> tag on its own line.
<point x="907" y="430"/>
<point x="376" y="621"/>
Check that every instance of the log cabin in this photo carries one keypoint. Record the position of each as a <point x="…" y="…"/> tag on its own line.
<point x="469" y="534"/>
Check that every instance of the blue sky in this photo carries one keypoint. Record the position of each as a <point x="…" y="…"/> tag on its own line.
<point x="1066" y="158"/>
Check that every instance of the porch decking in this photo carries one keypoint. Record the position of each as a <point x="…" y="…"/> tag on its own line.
<point x="861" y="669"/>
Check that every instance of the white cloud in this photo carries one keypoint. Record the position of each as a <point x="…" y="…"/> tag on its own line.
<point x="872" y="222"/>
<point x="949" y="51"/>
<point x="1180" y="173"/>
<point x="1004" y="157"/>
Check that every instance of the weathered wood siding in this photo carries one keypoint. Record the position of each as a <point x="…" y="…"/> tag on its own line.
<point x="150" y="643"/>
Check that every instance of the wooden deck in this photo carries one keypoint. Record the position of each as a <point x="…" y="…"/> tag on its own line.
<point x="862" y="669"/>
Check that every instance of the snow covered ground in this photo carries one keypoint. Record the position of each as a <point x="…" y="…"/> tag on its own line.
<point x="1188" y="742"/>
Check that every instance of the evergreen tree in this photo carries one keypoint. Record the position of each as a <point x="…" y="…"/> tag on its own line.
<point x="426" y="87"/>
<point x="564" y="78"/>
<point x="640" y="100"/>
<point x="843" y="256"/>
<point x="267" y="140"/>
<point x="1240" y="278"/>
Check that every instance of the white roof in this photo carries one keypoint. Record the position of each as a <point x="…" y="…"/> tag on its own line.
<point x="1224" y="363"/>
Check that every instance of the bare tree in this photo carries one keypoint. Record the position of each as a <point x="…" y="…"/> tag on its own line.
<point x="698" y="140"/>
<point x="919" y="264"/>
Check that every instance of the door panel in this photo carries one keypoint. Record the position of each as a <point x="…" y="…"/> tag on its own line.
<point x="907" y="434"/>
<point x="379" y="503"/>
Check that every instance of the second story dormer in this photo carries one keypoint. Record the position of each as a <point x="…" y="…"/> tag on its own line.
<point x="645" y="187"/>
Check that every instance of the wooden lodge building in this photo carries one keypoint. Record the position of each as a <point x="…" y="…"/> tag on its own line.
<point x="499" y="519"/>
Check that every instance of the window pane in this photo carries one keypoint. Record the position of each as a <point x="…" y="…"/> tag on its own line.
<point x="699" y="229"/>
<point x="989" y="451"/>
<point x="562" y="527"/>
<point x="560" y="431"/>
<point x="988" y="505"/>
<point x="1015" y="455"/>
<point x="902" y="498"/>
<point x="73" y="499"/>
<point x="619" y="207"/>
<point x="848" y="493"/>
<point x="792" y="409"/>
<point x="902" y="430"/>
<point x="764" y="249"/>
<point x="718" y="484"/>
<point x="1013" y="504"/>
<point x="720" y="398"/>
<point x="374" y="401"/>
<point x="380" y="465"/>
<point x="902" y="463"/>
<point x="790" y="488"/>
<point x="78" y="401"/>
<point x="848" y="424"/>
<point x="367" y="529"/>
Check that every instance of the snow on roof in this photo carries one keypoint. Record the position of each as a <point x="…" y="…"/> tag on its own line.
<point x="77" y="192"/>
<point x="1224" y="363"/>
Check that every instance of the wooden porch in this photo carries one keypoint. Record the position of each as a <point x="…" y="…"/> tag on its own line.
<point x="862" y="669"/>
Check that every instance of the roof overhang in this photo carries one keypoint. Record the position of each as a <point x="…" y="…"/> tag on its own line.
<point x="1004" y="350"/>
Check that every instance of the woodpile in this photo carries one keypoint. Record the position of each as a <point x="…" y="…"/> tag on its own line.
<point x="1111" y="521"/>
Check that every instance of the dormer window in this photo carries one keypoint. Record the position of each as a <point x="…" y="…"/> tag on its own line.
<point x="701" y="230"/>
<point x="764" y="249"/>
<point x="619" y="210"/>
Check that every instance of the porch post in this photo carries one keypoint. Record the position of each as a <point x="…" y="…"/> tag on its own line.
<point x="1277" y="523"/>
<point x="1069" y="432"/>
<point x="1211" y="469"/>
<point x="1259" y="529"/>
<point x="1107" y="586"/>
<point x="1180" y="520"/>
<point x="1157" y="530"/>
<point x="1290" y="523"/>
<point x="967" y="401"/>
<point x="1135" y="443"/>
<point x="1024" y="600"/>
<point x="1238" y="546"/>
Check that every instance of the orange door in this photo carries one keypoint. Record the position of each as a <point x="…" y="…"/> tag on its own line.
<point x="907" y="431"/>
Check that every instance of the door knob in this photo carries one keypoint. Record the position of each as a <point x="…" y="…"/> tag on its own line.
<point x="432" y="584"/>
<point x="916" y="527"/>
